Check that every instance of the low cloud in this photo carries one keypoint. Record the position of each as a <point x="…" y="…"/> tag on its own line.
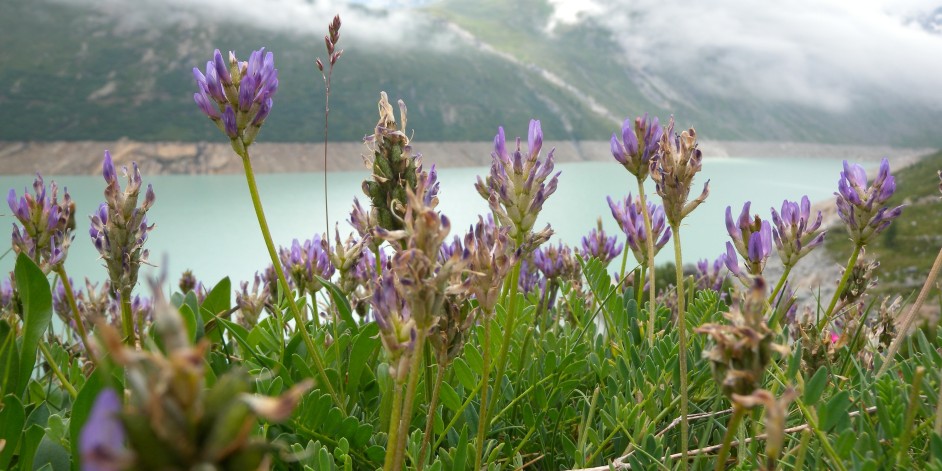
<point x="829" y="54"/>
<point x="392" y="24"/>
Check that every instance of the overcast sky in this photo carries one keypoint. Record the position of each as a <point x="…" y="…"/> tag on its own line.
<point x="829" y="54"/>
<point x="825" y="53"/>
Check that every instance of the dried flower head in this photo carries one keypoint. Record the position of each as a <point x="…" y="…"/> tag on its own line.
<point x="631" y="220"/>
<point x="490" y="259"/>
<point x="776" y="411"/>
<point x="862" y="207"/>
<point x="237" y="96"/>
<point x="742" y="349"/>
<point x="638" y="144"/>
<point x="599" y="246"/>
<point x="44" y="232"/>
<point x="252" y="302"/>
<point x="678" y="160"/>
<point x="794" y="233"/>
<point x="516" y="187"/>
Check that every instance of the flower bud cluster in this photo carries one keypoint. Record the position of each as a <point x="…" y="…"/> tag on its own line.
<point x="119" y="228"/>
<point x="491" y="257"/>
<point x="638" y="144"/>
<point x="397" y="329"/>
<point x="742" y="349"/>
<point x="673" y="168"/>
<point x="333" y="35"/>
<point x="171" y="418"/>
<point x="862" y="207"/>
<point x="237" y="96"/>
<point x="557" y="262"/>
<point x="345" y="257"/>
<point x="395" y="170"/>
<point x="304" y="262"/>
<point x="794" y="233"/>
<point x="630" y="218"/>
<point x="599" y="246"/>
<point x="516" y="187"/>
<point x="711" y="276"/>
<point x="252" y="302"/>
<point x="45" y="227"/>
<point x="752" y="238"/>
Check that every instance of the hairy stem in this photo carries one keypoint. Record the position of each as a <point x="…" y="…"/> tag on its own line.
<point x="482" y="415"/>
<point x="508" y="332"/>
<point x="298" y="318"/>
<point x="56" y="371"/>
<point x="392" y="437"/>
<point x="840" y="287"/>
<point x="432" y="405"/>
<point x="415" y="370"/>
<point x="650" y="250"/>
<point x="682" y="337"/>
<point x="731" y="428"/>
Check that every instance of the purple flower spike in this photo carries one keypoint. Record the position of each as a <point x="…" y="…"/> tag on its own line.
<point x="102" y="439"/>
<point x="862" y="207"/>
<point x="516" y="187"/>
<point x="598" y="245"/>
<point x="306" y="261"/>
<point x="631" y="220"/>
<point x="752" y="239"/>
<point x="794" y="232"/>
<point x="711" y="276"/>
<point x="44" y="224"/>
<point x="639" y="143"/>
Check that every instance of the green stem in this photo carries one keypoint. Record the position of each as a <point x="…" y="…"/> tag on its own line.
<point x="508" y="332"/>
<point x="650" y="249"/>
<point x="56" y="371"/>
<point x="624" y="263"/>
<point x="458" y="414"/>
<point x="840" y="287"/>
<point x="911" y="315"/>
<point x="432" y="405"/>
<point x="393" y="435"/>
<point x="298" y="318"/>
<point x="127" y="318"/>
<point x="731" y="428"/>
<point x="773" y="321"/>
<point x="482" y="415"/>
<point x="415" y="370"/>
<point x="682" y="337"/>
<point x="76" y="315"/>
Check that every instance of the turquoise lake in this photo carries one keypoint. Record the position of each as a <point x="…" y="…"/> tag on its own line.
<point x="206" y="223"/>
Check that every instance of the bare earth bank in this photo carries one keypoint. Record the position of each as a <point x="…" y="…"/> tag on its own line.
<point x="84" y="157"/>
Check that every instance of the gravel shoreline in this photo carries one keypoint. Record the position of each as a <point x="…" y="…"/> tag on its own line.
<point x="84" y="157"/>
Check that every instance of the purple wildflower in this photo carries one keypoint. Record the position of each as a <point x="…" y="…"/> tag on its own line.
<point x="102" y="439"/>
<point x="6" y="295"/>
<point x="119" y="228"/>
<point x="491" y="258"/>
<point x="628" y="214"/>
<point x="638" y="144"/>
<point x="711" y="276"/>
<point x="599" y="246"/>
<point x="306" y="261"/>
<point x="397" y="329"/>
<point x="557" y="261"/>
<point x="252" y="302"/>
<point x="861" y="207"/>
<point x="794" y="232"/>
<point x="530" y="277"/>
<point x="237" y="96"/>
<point x="752" y="239"/>
<point x="44" y="226"/>
<point x="516" y="187"/>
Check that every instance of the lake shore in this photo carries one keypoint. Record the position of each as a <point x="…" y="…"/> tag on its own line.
<point x="202" y="158"/>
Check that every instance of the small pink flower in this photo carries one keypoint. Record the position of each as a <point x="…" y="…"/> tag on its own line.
<point x="834" y="337"/>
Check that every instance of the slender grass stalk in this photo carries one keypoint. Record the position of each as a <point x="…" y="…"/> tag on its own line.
<point x="483" y="413"/>
<point x="682" y="337"/>
<point x="902" y="460"/>
<point x="911" y="315"/>
<point x="298" y="317"/>
<point x="624" y="261"/>
<point x="937" y="426"/>
<point x="583" y="435"/>
<point x="393" y="436"/>
<point x="76" y="315"/>
<point x="415" y="370"/>
<point x="430" y="421"/>
<point x="802" y="449"/>
<point x="840" y="287"/>
<point x="650" y="268"/>
<point x="56" y="371"/>
<point x="731" y="428"/>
